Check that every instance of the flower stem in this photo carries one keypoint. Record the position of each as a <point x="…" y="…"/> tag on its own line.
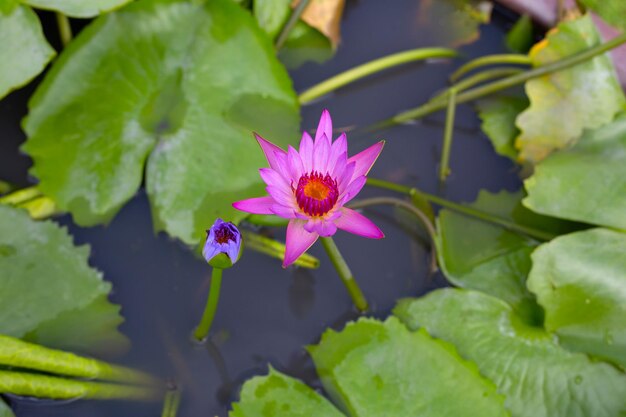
<point x="291" y="22"/>
<point x="460" y="208"/>
<point x="344" y="273"/>
<point x="490" y="60"/>
<point x="372" y="67"/>
<point x="502" y="84"/>
<point x="202" y="331"/>
<point x="478" y="78"/>
<point x="444" y="166"/>
<point x="65" y="30"/>
<point x="20" y="196"/>
<point x="171" y="402"/>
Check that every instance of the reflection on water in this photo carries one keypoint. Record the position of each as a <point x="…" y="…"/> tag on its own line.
<point x="266" y="314"/>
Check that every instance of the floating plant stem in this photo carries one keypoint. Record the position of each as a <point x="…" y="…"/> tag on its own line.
<point x="20" y="196"/>
<point x="460" y="208"/>
<point x="422" y="217"/>
<point x="478" y="92"/>
<point x="20" y="354"/>
<point x="43" y="386"/>
<point x="478" y="78"/>
<point x="344" y="273"/>
<point x="65" y="30"/>
<point x="277" y="250"/>
<point x="267" y="220"/>
<point x="444" y="166"/>
<point x="40" y="208"/>
<point x="519" y="59"/>
<point x="372" y="67"/>
<point x="291" y="22"/>
<point x="171" y="402"/>
<point x="202" y="331"/>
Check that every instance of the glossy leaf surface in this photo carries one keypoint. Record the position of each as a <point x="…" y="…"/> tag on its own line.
<point x="179" y="105"/>
<point x="25" y="51"/>
<point x="538" y="377"/>
<point x="580" y="281"/>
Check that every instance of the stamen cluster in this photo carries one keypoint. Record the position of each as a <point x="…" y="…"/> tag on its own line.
<point x="316" y="194"/>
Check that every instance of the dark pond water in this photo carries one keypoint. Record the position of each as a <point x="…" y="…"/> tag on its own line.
<point x="266" y="314"/>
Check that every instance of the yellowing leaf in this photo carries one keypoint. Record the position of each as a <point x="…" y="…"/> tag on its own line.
<point x="564" y="103"/>
<point x="325" y="16"/>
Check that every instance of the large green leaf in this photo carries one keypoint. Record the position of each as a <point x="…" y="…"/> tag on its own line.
<point x="25" y="51"/>
<point x="78" y="8"/>
<point x="483" y="256"/>
<point x="272" y="15"/>
<point x="305" y="44"/>
<point x="5" y="411"/>
<point x="378" y="369"/>
<point x="45" y="280"/>
<point x="580" y="281"/>
<point x="564" y="103"/>
<point x="277" y="394"/>
<point x="132" y="84"/>
<point x="585" y="182"/>
<point x="498" y="116"/>
<point x="613" y="11"/>
<point x="537" y="376"/>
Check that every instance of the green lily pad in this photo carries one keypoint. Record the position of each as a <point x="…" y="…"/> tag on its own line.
<point x="277" y="394"/>
<point x="378" y="369"/>
<point x="25" y="51"/>
<point x="78" y="8"/>
<point x="5" y="411"/>
<point x="564" y="103"/>
<point x="483" y="256"/>
<point x="585" y="182"/>
<point x="498" y="116"/>
<point x="272" y="15"/>
<point x="613" y="11"/>
<point x="520" y="38"/>
<point x="580" y="281"/>
<point x="305" y="44"/>
<point x="48" y="286"/>
<point x="134" y="87"/>
<point x="537" y="376"/>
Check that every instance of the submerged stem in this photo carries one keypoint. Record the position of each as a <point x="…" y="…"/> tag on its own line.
<point x="460" y="208"/>
<point x="423" y="218"/>
<point x="475" y="79"/>
<point x="65" y="30"/>
<point x="444" y="169"/>
<point x="291" y="22"/>
<point x="171" y="402"/>
<point x="478" y="92"/>
<point x="344" y="273"/>
<point x="372" y="67"/>
<point x="202" y="331"/>
<point x="520" y="59"/>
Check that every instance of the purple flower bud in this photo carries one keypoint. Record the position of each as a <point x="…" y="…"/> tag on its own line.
<point x="223" y="244"/>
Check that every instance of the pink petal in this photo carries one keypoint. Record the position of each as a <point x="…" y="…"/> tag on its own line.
<point x="322" y="227"/>
<point x="306" y="152"/>
<point x="283" y="211"/>
<point x="352" y="190"/>
<point x="281" y="196"/>
<point x="274" y="179"/>
<point x="321" y="153"/>
<point x="324" y="127"/>
<point x="298" y="241"/>
<point x="269" y="149"/>
<point x="338" y="152"/>
<point x="365" y="159"/>
<point x="294" y="162"/>
<point x="344" y="177"/>
<point x="355" y="223"/>
<point x="259" y="205"/>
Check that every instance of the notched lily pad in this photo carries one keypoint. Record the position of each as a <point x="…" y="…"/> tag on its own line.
<point x="47" y="288"/>
<point x="156" y="99"/>
<point x="564" y="103"/>
<point x="537" y="376"/>
<point x="78" y="8"/>
<point x="580" y="281"/>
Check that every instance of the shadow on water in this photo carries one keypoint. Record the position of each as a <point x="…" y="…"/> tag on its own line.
<point x="266" y="314"/>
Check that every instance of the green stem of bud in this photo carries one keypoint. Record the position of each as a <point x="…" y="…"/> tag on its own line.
<point x="202" y="331"/>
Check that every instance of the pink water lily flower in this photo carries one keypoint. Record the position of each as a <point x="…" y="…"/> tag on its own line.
<point x="311" y="186"/>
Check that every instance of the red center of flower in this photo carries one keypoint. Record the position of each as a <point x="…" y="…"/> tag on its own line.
<point x="316" y="194"/>
<point x="224" y="235"/>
